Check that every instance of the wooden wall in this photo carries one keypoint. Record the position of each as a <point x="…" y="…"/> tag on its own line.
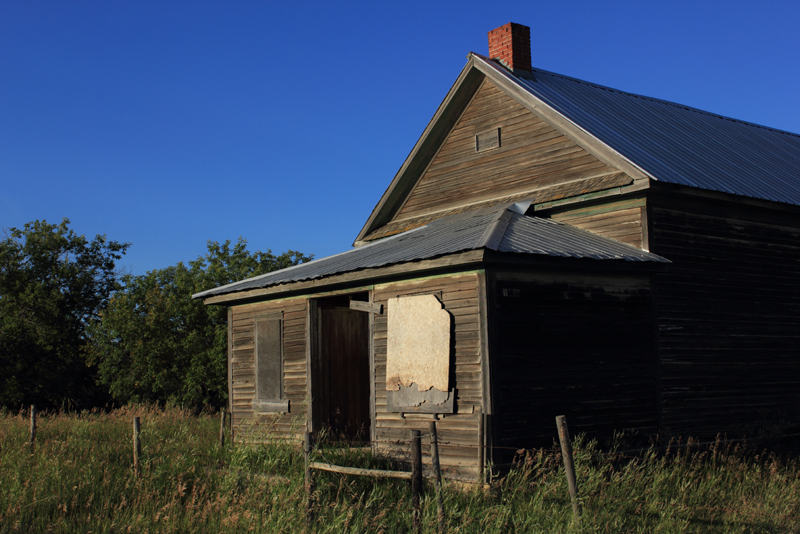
<point x="624" y="220"/>
<point x="532" y="155"/>
<point x="458" y="432"/>
<point x="728" y="316"/>
<point x="242" y="371"/>
<point x="574" y="345"/>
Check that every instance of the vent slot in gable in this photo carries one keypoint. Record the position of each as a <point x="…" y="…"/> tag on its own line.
<point x="487" y="140"/>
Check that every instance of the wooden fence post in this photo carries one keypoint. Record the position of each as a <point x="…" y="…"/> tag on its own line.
<point x="32" y="440"/>
<point x="416" y="478"/>
<point x="308" y="447"/>
<point x="569" y="466"/>
<point x="222" y="429"/>
<point x="137" y="446"/>
<point x="437" y="477"/>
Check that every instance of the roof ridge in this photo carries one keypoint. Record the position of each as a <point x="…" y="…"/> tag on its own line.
<point x="662" y="101"/>
<point x="643" y="97"/>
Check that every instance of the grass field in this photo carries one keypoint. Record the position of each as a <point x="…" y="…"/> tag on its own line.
<point x="79" y="478"/>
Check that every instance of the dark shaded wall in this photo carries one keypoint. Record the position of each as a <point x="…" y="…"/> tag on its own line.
<point x="580" y="345"/>
<point x="728" y="315"/>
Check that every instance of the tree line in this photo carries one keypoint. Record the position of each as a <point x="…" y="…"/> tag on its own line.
<point x="76" y="333"/>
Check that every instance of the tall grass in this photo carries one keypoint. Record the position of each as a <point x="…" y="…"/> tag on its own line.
<point x="79" y="478"/>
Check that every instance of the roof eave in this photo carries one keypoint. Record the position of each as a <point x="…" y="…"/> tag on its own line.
<point x="446" y="116"/>
<point x="458" y="260"/>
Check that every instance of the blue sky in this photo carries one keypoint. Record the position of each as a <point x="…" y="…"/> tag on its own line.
<point x="166" y="124"/>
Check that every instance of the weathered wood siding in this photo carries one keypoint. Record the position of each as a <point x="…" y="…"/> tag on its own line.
<point x="728" y="315"/>
<point x="242" y="369"/>
<point x="623" y="221"/>
<point x="458" y="432"/>
<point x="574" y="345"/>
<point x="532" y="154"/>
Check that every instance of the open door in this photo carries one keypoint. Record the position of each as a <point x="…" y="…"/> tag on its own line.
<point x="342" y="381"/>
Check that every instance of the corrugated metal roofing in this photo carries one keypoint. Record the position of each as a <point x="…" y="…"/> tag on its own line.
<point x="495" y="229"/>
<point x="674" y="143"/>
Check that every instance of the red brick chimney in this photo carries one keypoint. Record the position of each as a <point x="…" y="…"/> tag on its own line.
<point x="511" y="44"/>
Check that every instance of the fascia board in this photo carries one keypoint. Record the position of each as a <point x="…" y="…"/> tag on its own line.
<point x="435" y="133"/>
<point x="371" y="275"/>
<point x="507" y="82"/>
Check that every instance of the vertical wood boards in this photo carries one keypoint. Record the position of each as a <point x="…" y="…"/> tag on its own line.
<point x="624" y="221"/>
<point x="531" y="154"/>
<point x="458" y="432"/>
<point x="577" y="345"/>
<point x="250" y="424"/>
<point x="728" y="316"/>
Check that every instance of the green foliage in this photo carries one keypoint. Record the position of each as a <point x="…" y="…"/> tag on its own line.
<point x="52" y="283"/>
<point x="154" y="343"/>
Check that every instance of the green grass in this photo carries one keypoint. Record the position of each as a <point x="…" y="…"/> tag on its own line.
<point x="79" y="478"/>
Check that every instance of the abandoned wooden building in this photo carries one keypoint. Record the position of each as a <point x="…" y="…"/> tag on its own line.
<point x="550" y="246"/>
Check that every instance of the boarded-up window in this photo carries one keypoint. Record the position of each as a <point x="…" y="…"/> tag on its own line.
<point x="269" y="364"/>
<point x="418" y="355"/>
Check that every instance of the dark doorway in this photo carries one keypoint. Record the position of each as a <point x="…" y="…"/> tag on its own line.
<point x="343" y="380"/>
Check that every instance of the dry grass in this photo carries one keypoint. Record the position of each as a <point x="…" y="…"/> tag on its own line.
<point x="79" y="478"/>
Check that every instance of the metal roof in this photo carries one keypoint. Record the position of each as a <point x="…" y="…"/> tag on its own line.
<point x="675" y="143"/>
<point x="499" y="229"/>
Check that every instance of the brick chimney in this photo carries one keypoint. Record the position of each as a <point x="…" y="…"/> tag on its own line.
<point x="511" y="44"/>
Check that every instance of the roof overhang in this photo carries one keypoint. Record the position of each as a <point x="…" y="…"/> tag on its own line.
<point x="451" y="242"/>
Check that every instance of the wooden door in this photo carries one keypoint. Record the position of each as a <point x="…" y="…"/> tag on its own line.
<point x="344" y="370"/>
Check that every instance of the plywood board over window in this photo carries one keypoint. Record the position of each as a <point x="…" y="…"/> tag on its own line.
<point x="269" y="364"/>
<point x="418" y="355"/>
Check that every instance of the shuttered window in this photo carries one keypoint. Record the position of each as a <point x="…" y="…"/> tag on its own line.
<point x="269" y="364"/>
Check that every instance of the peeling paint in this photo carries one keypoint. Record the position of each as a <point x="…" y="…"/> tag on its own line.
<point x="412" y="396"/>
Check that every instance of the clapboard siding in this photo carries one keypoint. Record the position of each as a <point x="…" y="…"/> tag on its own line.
<point x="728" y="314"/>
<point x="532" y="155"/>
<point x="580" y="346"/>
<point x="622" y="221"/>
<point x="458" y="433"/>
<point x="291" y="425"/>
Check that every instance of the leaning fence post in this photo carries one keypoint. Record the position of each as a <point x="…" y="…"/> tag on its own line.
<point x="416" y="478"/>
<point x="222" y="429"/>
<point x="437" y="474"/>
<point x="33" y="426"/>
<point x="569" y="466"/>
<point x="308" y="447"/>
<point x="137" y="445"/>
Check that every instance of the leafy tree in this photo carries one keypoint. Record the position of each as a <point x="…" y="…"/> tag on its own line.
<point x="52" y="283"/>
<point x="154" y="343"/>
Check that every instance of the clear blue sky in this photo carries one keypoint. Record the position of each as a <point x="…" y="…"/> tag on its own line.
<point x="166" y="124"/>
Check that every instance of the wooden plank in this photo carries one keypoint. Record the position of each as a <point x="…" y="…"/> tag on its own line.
<point x="366" y="307"/>
<point x="381" y="473"/>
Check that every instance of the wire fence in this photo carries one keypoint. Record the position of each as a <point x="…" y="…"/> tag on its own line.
<point x="658" y="450"/>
